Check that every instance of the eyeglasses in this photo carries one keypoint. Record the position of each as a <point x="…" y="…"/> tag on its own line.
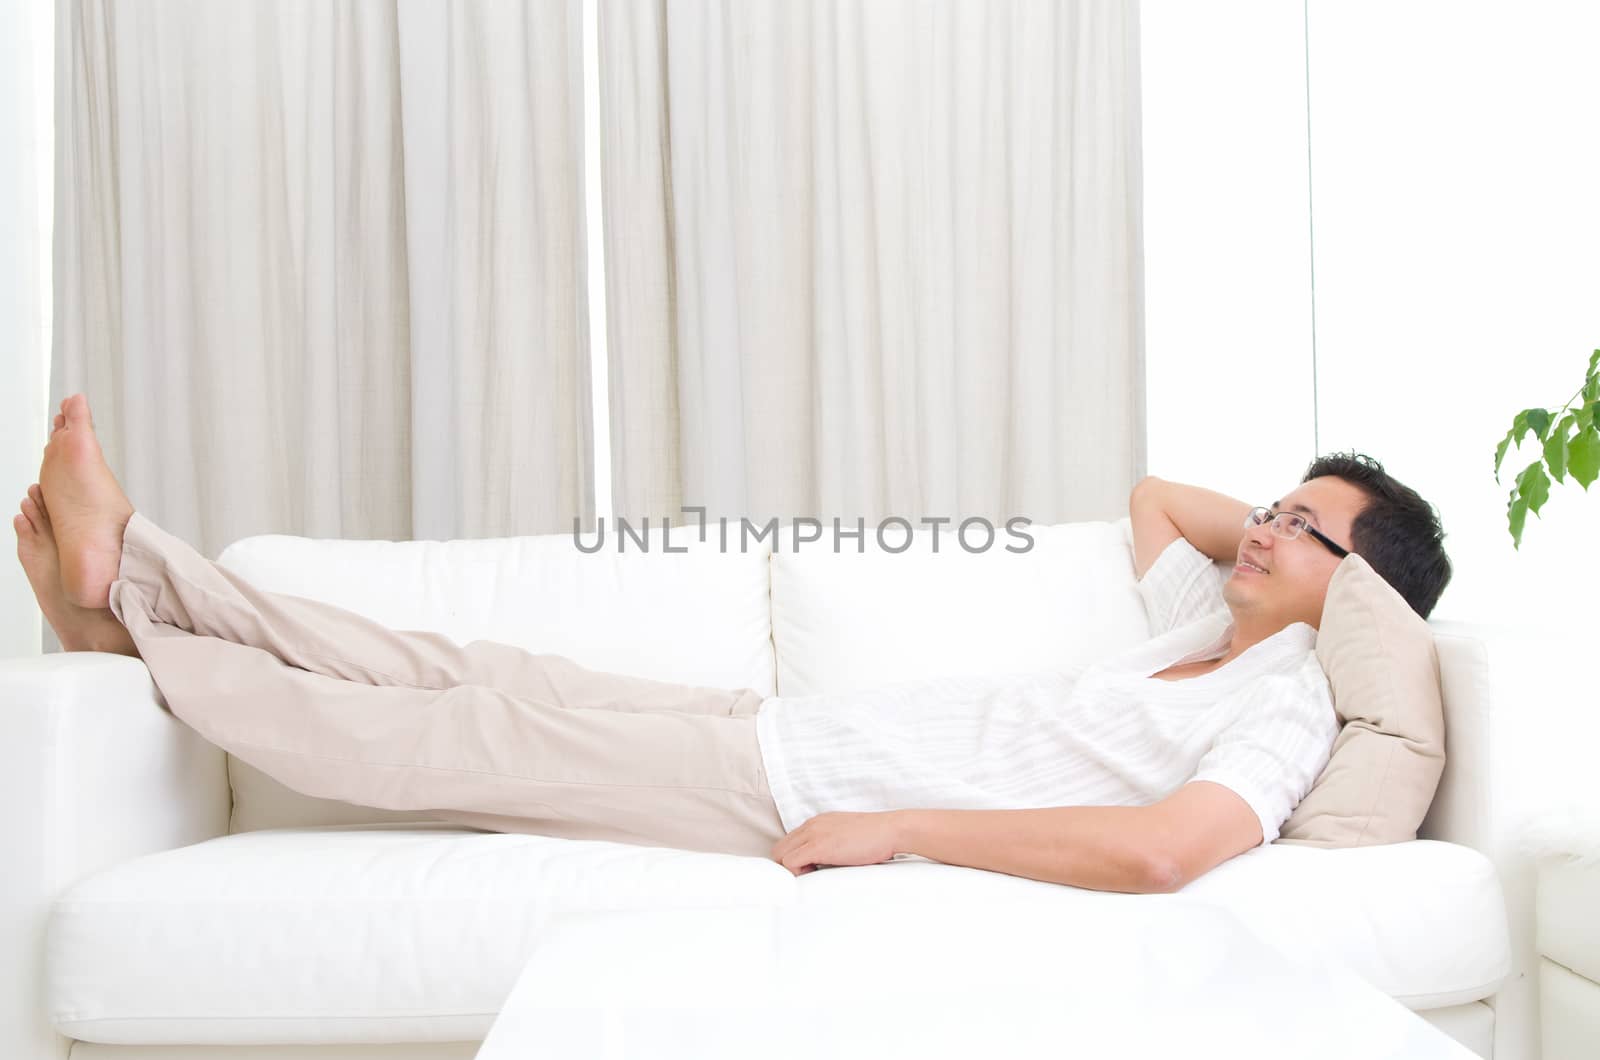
<point x="1288" y="526"/>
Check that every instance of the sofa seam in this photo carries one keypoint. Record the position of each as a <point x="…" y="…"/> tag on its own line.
<point x="81" y="1018"/>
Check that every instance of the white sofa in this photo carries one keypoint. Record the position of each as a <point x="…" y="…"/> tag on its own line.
<point x="1569" y="955"/>
<point x="160" y="893"/>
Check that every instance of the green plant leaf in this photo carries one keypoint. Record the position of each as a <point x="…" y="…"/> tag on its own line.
<point x="1555" y="449"/>
<point x="1534" y="485"/>
<point x="1519" y="427"/>
<point x="1517" y="512"/>
<point x="1583" y="456"/>
<point x="1569" y="444"/>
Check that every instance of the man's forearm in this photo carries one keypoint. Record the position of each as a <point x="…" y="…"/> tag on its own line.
<point x="1212" y="522"/>
<point x="1099" y="847"/>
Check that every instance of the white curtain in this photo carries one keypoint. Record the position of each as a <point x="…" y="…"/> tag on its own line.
<point x="26" y="61"/>
<point x="319" y="265"/>
<point x="873" y="258"/>
<point x="493" y="118"/>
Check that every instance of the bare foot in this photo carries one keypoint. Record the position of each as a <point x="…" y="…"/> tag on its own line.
<point x="88" y="510"/>
<point x="78" y="628"/>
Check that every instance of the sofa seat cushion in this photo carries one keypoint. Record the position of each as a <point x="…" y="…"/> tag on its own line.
<point x="417" y="933"/>
<point x="1567" y="918"/>
<point x="1423" y="921"/>
<point x="359" y="933"/>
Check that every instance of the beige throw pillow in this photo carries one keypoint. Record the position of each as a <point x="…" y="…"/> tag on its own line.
<point x="1383" y="668"/>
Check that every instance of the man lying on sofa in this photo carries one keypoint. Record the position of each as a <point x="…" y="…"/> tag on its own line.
<point x="1136" y="773"/>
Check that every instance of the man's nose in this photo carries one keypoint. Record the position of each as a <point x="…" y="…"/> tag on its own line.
<point x="1260" y="535"/>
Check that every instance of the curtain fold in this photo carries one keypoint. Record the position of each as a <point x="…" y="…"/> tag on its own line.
<point x="492" y="105"/>
<point x="874" y="259"/>
<point x="27" y="60"/>
<point x="319" y="266"/>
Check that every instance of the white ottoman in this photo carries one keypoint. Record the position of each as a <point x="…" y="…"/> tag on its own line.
<point x="1111" y="977"/>
<point x="1569" y="957"/>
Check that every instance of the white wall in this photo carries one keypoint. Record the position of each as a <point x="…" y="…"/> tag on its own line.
<point x="1456" y="260"/>
<point x="1227" y="255"/>
<point x="26" y="143"/>
<point x="1457" y="228"/>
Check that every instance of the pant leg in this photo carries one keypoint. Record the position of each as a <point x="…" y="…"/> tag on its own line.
<point x="270" y="679"/>
<point x="195" y="593"/>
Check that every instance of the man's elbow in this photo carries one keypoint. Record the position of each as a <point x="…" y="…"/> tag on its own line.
<point x="1143" y="489"/>
<point x="1163" y="874"/>
<point x="1167" y="871"/>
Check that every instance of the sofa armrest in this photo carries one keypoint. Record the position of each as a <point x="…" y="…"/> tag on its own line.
<point x="1462" y="810"/>
<point x="1505" y="688"/>
<point x="94" y="770"/>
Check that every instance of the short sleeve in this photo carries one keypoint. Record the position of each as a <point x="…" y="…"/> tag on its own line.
<point x="1182" y="585"/>
<point x="1277" y="746"/>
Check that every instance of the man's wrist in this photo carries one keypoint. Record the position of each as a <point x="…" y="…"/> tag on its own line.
<point x="904" y="824"/>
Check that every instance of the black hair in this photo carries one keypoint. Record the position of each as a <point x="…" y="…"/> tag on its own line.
<point x="1397" y="532"/>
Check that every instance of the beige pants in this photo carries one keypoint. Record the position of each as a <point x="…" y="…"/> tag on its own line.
<point x="336" y="705"/>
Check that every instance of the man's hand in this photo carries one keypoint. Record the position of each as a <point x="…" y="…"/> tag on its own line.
<point x="839" y="839"/>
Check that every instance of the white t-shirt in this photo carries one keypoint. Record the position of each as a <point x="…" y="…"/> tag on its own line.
<point x="1101" y="734"/>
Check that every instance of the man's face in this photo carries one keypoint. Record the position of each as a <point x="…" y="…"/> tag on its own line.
<point x="1297" y="572"/>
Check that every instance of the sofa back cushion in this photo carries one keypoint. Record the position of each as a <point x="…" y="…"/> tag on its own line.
<point x="698" y="617"/>
<point x="849" y="620"/>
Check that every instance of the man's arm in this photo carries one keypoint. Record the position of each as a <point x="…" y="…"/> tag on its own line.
<point x="1135" y="849"/>
<point x="1162" y="511"/>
